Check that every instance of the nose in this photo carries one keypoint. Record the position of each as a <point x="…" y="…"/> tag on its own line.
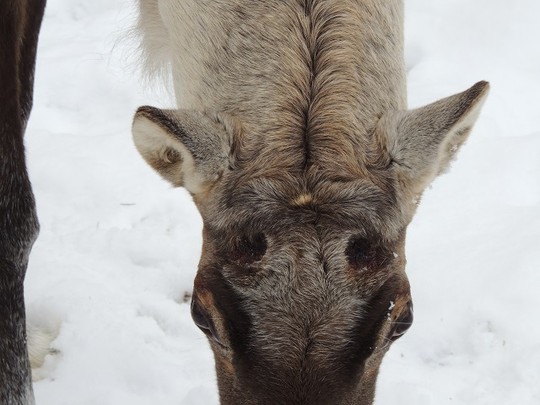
<point x="201" y="317"/>
<point x="403" y="322"/>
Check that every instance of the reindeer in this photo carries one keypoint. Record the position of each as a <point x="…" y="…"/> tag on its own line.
<point x="20" y="21"/>
<point x="292" y="134"/>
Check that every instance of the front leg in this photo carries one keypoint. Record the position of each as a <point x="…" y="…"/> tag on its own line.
<point x="20" y="21"/>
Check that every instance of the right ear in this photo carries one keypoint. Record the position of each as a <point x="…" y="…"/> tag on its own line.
<point x="187" y="148"/>
<point x="423" y="142"/>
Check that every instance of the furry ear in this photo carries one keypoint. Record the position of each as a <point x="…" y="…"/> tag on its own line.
<point x="422" y="142"/>
<point x="187" y="148"/>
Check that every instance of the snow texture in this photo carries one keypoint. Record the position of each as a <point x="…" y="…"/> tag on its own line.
<point x="118" y="249"/>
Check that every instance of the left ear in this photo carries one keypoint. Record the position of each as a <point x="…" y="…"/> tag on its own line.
<point x="422" y="142"/>
<point x="187" y="148"/>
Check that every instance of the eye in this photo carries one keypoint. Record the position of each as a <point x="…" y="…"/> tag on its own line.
<point x="250" y="249"/>
<point x="402" y="323"/>
<point x="365" y="254"/>
<point x="360" y="251"/>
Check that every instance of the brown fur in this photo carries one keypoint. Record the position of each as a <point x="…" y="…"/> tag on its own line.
<point x="20" y="21"/>
<point x="294" y="139"/>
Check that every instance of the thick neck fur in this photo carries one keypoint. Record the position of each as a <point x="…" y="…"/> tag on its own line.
<point x="308" y="79"/>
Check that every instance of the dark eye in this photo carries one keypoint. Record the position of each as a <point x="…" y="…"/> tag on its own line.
<point x="402" y="323"/>
<point x="250" y="249"/>
<point x="363" y="253"/>
<point x="360" y="251"/>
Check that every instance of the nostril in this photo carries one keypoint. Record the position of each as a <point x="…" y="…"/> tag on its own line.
<point x="201" y="318"/>
<point x="404" y="322"/>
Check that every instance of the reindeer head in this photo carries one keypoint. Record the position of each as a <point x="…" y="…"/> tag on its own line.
<point x="301" y="287"/>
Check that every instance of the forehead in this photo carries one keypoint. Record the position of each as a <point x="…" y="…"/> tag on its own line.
<point x="272" y="205"/>
<point x="307" y="231"/>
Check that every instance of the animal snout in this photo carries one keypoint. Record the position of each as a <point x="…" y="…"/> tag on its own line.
<point x="207" y="317"/>
<point x="403" y="322"/>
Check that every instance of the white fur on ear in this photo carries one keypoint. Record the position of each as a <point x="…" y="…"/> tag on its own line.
<point x="422" y="142"/>
<point x="187" y="148"/>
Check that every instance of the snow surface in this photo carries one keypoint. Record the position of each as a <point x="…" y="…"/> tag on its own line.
<point x="119" y="248"/>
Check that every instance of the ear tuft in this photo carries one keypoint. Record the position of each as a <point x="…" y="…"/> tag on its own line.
<point x="187" y="148"/>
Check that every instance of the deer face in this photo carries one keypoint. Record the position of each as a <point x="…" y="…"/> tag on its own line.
<point x="300" y="296"/>
<point x="303" y="312"/>
<point x="301" y="287"/>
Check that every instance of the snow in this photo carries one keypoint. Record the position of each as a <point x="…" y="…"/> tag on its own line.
<point x="119" y="248"/>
